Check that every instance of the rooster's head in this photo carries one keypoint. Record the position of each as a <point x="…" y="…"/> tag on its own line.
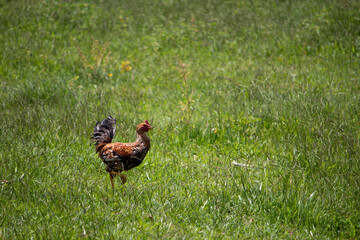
<point x="143" y="127"/>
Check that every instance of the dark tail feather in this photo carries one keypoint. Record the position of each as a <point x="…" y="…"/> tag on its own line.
<point x="104" y="132"/>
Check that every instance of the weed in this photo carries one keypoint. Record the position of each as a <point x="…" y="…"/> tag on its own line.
<point x="95" y="65"/>
<point x="187" y="93"/>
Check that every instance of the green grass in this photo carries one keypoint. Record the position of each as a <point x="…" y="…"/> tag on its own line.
<point x="273" y="85"/>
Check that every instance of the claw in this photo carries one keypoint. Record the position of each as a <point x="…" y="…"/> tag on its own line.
<point x="112" y="180"/>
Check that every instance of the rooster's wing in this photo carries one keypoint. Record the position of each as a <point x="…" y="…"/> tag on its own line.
<point x="122" y="156"/>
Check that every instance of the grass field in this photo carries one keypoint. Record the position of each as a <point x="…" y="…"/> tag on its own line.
<point x="255" y="105"/>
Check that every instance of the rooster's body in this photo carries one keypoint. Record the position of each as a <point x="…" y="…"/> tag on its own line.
<point x="120" y="156"/>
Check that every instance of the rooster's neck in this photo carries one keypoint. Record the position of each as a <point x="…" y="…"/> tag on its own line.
<point x="142" y="138"/>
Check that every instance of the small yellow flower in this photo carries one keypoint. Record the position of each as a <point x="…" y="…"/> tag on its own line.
<point x="214" y="130"/>
<point x="71" y="81"/>
<point x="110" y="75"/>
<point x="125" y="66"/>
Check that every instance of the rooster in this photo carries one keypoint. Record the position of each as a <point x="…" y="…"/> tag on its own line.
<point x="117" y="156"/>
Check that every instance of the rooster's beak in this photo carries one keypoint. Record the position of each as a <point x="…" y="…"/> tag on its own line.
<point x="149" y="126"/>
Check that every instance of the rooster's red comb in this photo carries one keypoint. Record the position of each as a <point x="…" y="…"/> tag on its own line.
<point x="146" y="121"/>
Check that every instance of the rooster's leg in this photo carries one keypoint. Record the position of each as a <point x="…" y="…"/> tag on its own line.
<point x="123" y="178"/>
<point x="112" y="180"/>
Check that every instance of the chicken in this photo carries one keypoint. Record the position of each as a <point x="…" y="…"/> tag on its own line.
<point x="120" y="156"/>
